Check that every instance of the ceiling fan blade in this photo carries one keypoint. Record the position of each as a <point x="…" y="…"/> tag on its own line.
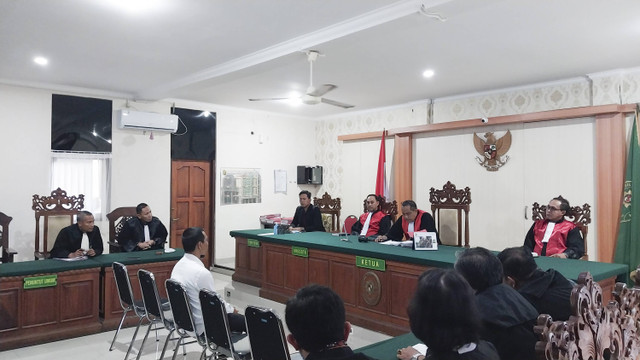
<point x="268" y="99"/>
<point x="321" y="90"/>
<point x="336" y="103"/>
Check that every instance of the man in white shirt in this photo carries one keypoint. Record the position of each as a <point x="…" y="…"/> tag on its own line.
<point x="192" y="274"/>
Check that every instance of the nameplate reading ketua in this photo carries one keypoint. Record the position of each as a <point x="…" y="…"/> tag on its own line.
<point x="370" y="263"/>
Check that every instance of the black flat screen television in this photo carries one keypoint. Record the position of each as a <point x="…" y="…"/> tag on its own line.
<point x="81" y="123"/>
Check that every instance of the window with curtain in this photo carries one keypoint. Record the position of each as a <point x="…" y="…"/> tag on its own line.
<point x="84" y="173"/>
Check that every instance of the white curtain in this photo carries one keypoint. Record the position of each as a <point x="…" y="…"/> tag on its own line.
<point x="84" y="173"/>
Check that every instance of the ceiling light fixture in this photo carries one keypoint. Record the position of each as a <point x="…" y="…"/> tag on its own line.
<point x="40" y="60"/>
<point x="428" y="73"/>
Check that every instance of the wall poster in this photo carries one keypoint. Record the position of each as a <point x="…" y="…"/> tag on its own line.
<point x="240" y="186"/>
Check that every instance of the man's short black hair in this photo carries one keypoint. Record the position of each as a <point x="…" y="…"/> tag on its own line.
<point x="306" y="192"/>
<point x="411" y="204"/>
<point x="83" y="214"/>
<point x="316" y="317"/>
<point x="443" y="311"/>
<point x="480" y="267"/>
<point x="191" y="237"/>
<point x="518" y="263"/>
<point x="564" y="203"/>
<point x="140" y="207"/>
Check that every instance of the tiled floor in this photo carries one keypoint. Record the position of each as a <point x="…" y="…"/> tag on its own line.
<point x="96" y="347"/>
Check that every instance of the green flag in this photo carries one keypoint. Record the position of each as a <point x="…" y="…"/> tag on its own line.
<point x="628" y="245"/>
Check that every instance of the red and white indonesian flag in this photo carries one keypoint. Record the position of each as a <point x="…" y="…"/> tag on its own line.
<point x="382" y="189"/>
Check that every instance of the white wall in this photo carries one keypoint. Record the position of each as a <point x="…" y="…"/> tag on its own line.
<point x="141" y="166"/>
<point x="546" y="159"/>
<point x="277" y="142"/>
<point x="360" y="170"/>
<point x="25" y="145"/>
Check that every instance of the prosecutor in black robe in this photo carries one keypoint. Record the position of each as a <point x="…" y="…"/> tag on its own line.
<point x="132" y="233"/>
<point x="69" y="240"/>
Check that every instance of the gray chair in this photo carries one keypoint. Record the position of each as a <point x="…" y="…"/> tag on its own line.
<point x="219" y="338"/>
<point x="128" y="303"/>
<point x="155" y="311"/>
<point x="182" y="317"/>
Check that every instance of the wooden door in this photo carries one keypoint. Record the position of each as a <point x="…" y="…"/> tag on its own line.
<point x="191" y="201"/>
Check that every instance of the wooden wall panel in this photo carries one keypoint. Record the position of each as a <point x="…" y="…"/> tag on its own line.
<point x="611" y="152"/>
<point x="9" y="305"/>
<point x="402" y="168"/>
<point x="319" y="271"/>
<point x="295" y="272"/>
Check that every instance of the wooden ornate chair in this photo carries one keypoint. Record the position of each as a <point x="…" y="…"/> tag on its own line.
<point x="330" y="209"/>
<point x="56" y="211"/>
<point x="596" y="330"/>
<point x="117" y="218"/>
<point x="7" y="252"/>
<point x="450" y="198"/>
<point x="579" y="215"/>
<point x="390" y="208"/>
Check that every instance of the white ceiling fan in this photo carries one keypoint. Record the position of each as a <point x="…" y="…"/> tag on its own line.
<point x="314" y="95"/>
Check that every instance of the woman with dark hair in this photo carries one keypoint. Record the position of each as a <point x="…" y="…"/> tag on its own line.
<point x="443" y="314"/>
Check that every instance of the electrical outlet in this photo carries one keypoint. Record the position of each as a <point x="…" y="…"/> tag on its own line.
<point x="228" y="293"/>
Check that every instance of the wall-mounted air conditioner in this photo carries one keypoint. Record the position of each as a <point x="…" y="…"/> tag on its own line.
<point x="139" y="120"/>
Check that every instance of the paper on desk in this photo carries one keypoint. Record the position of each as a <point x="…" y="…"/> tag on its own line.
<point x="421" y="348"/>
<point x="73" y="259"/>
<point x="408" y="243"/>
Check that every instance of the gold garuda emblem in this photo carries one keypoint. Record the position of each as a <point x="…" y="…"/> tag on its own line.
<point x="492" y="151"/>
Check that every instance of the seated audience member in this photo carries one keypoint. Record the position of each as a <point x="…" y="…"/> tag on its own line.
<point x="315" y="317"/>
<point x="191" y="272"/>
<point x="548" y="291"/>
<point x="82" y="238"/>
<point x="443" y="314"/>
<point x="307" y="217"/>
<point x="144" y="232"/>
<point x="413" y="219"/>
<point x="507" y="317"/>
<point x="554" y="236"/>
<point x="374" y="221"/>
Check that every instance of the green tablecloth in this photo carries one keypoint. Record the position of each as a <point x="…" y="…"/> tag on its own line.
<point x="386" y="350"/>
<point x="105" y="260"/>
<point x="444" y="257"/>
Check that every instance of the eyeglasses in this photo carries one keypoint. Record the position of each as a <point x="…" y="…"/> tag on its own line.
<point x="551" y="208"/>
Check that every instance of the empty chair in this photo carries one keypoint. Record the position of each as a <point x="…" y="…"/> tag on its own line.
<point x="266" y="334"/>
<point x="348" y="223"/>
<point x="182" y="316"/>
<point x="219" y="338"/>
<point x="154" y="309"/>
<point x="451" y="200"/>
<point x="330" y="210"/>
<point x="128" y="303"/>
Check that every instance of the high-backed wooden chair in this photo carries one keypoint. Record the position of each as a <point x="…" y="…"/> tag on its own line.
<point x="450" y="198"/>
<point x="7" y="252"/>
<point x="579" y="215"/>
<point x="56" y="212"/>
<point x="330" y="209"/>
<point x="117" y="218"/>
<point x="389" y="208"/>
